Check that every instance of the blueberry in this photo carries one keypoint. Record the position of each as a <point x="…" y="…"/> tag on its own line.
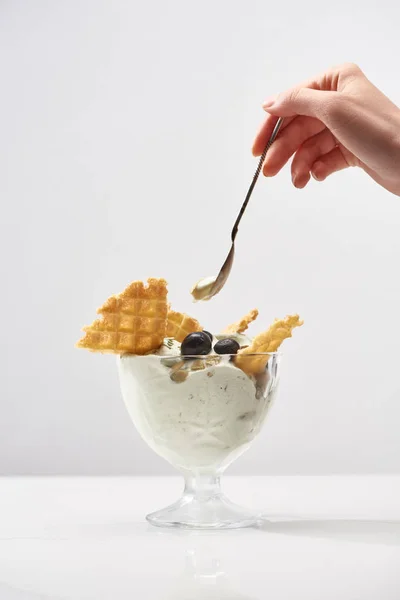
<point x="226" y="346"/>
<point x="196" y="344"/>
<point x="210" y="335"/>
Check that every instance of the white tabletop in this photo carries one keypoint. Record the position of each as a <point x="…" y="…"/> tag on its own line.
<point x="330" y="538"/>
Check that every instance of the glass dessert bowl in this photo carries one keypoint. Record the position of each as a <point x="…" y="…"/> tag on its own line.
<point x="200" y="413"/>
<point x="197" y="399"/>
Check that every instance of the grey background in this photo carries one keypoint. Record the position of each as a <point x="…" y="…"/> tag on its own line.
<point x="125" y="141"/>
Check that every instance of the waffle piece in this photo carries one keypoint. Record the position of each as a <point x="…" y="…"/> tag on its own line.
<point x="132" y="322"/>
<point x="268" y="341"/>
<point x="180" y="325"/>
<point x="242" y="325"/>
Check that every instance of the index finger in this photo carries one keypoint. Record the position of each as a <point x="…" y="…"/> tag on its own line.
<point x="264" y="133"/>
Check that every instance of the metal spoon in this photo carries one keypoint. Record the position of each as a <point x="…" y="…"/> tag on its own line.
<point x="210" y="286"/>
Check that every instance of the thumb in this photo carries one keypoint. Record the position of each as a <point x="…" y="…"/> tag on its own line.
<point x="301" y="101"/>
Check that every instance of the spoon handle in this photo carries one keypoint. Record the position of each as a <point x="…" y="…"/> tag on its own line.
<point x="256" y="174"/>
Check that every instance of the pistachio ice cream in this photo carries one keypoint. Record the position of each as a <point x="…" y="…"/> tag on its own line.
<point x="196" y="413"/>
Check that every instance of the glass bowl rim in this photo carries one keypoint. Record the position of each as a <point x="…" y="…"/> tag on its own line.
<point x="203" y="356"/>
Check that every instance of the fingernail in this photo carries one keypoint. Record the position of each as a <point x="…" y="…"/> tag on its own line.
<point x="269" y="102"/>
<point x="299" y="180"/>
<point x="266" y="172"/>
<point x="317" y="172"/>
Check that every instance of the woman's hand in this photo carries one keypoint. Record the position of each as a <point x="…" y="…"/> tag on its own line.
<point x="337" y="120"/>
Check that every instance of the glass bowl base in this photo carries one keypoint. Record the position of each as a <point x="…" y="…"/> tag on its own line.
<point x="217" y="512"/>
